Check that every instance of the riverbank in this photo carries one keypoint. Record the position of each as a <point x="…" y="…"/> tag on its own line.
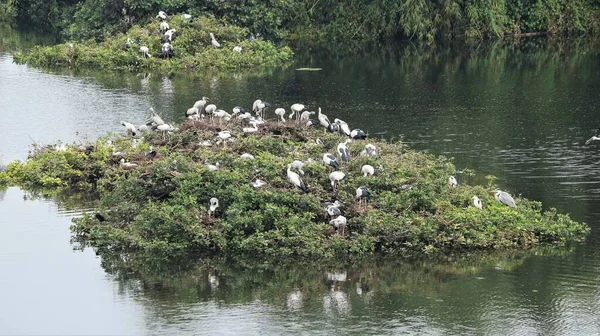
<point x="162" y="204"/>
<point x="192" y="49"/>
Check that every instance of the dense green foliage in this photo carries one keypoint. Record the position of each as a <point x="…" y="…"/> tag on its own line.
<point x="163" y="204"/>
<point x="191" y="44"/>
<point x="330" y="20"/>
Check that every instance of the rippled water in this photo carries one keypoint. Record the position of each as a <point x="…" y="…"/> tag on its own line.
<point x="518" y="111"/>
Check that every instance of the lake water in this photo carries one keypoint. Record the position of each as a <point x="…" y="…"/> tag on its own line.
<point x="518" y="110"/>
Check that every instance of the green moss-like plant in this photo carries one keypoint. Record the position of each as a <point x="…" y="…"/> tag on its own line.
<point x="162" y="205"/>
<point x="192" y="47"/>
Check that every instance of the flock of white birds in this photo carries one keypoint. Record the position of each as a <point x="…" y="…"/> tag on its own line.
<point x="168" y="36"/>
<point x="250" y="121"/>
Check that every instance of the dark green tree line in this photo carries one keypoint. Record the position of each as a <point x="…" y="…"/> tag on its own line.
<point x="316" y="20"/>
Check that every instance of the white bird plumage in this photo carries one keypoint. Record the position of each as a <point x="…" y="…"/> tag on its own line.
<point x="452" y="183"/>
<point x="323" y="120"/>
<point x="367" y="170"/>
<point x="343" y="126"/>
<point x="340" y="224"/>
<point x="129" y="127"/>
<point x="297" y="164"/>
<point x="504" y="198"/>
<point x="162" y="15"/>
<point x="296" y="109"/>
<point x="370" y="150"/>
<point x="343" y="150"/>
<point x="477" y="202"/>
<point x="258" y="183"/>
<point x="281" y="113"/>
<point x="335" y="178"/>
<point x="213" y="205"/>
<point x="295" y="179"/>
<point x="128" y="165"/>
<point x="214" y="41"/>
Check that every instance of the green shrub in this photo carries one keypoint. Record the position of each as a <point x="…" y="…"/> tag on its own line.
<point x="162" y="206"/>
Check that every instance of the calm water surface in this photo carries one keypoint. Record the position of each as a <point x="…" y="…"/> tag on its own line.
<point x="518" y="111"/>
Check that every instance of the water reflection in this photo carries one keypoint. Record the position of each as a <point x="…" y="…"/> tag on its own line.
<point x="467" y="292"/>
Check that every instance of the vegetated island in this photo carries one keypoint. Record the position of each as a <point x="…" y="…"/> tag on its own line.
<point x="156" y="195"/>
<point x="183" y="44"/>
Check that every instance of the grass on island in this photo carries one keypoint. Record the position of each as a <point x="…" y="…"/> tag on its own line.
<point x="162" y="204"/>
<point x="191" y="43"/>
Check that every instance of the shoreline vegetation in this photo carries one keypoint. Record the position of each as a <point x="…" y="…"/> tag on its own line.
<point x="157" y="200"/>
<point x="97" y="31"/>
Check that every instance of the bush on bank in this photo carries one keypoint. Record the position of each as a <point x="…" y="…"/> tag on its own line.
<point x="162" y="205"/>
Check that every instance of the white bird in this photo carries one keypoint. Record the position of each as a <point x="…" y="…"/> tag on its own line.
<point x="213" y="281"/>
<point x="306" y="115"/>
<point x="205" y="143"/>
<point x="370" y="150"/>
<point x="210" y="109"/>
<point x="186" y="16"/>
<point x="362" y="193"/>
<point x="358" y="134"/>
<point x="212" y="167"/>
<point x="367" y="170"/>
<point x="213" y="205"/>
<point x="128" y="165"/>
<point x="129" y="127"/>
<point x="335" y="178"/>
<point x="214" y="41"/>
<point x="151" y="153"/>
<point x="258" y="183"/>
<point x="201" y="103"/>
<point x="295" y="179"/>
<point x="259" y="107"/>
<point x="297" y="164"/>
<point x="145" y="51"/>
<point x="162" y="15"/>
<point x="505" y="198"/>
<point x="246" y="156"/>
<point x="222" y="115"/>
<point x="237" y="49"/>
<point x="164" y="26"/>
<point x="323" y="120"/>
<point x="333" y="210"/>
<point x="165" y="128"/>
<point x="592" y="139"/>
<point x="343" y="150"/>
<point x="296" y="109"/>
<point x="477" y="202"/>
<point x="192" y="111"/>
<point x="224" y="135"/>
<point x="237" y="110"/>
<point x="281" y="113"/>
<point x="245" y="115"/>
<point x="595" y="137"/>
<point x="452" y="183"/>
<point x="168" y="37"/>
<point x="340" y="224"/>
<point x="252" y="129"/>
<point x="343" y="126"/>
<point x="330" y="160"/>
<point x="156" y="119"/>
<point x="61" y="148"/>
